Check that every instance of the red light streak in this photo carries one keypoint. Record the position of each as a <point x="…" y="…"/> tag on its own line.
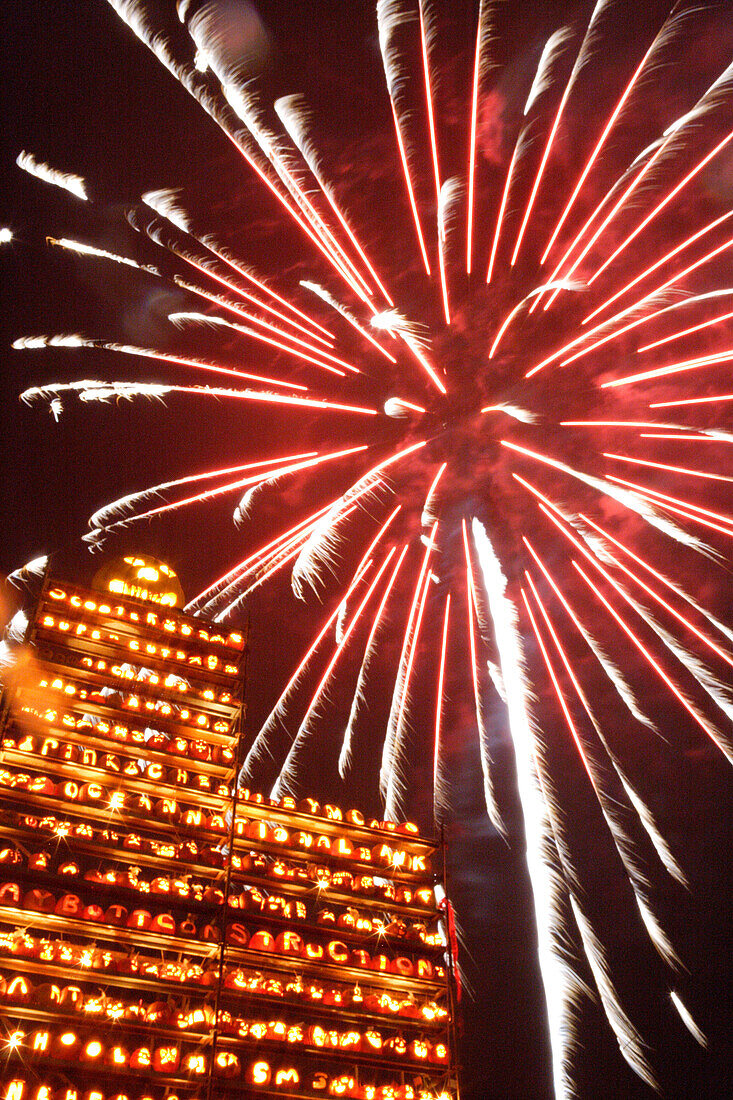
<point x="434" y="485"/>
<point x="182" y="361"/>
<point x="207" y="475"/>
<point x="663" y="259"/>
<point x="443" y="279"/>
<point x="545" y="459"/>
<point x="222" y="302"/>
<point x="671" y="469"/>
<point x="275" y="399"/>
<point x="273" y="294"/>
<point x="684" y="513"/>
<point x="655" y="595"/>
<point x="687" y="331"/>
<point x="347" y="634"/>
<point x="231" y="573"/>
<point x="249" y="316"/>
<point x="295" y="215"/>
<point x="347" y="229"/>
<point x="417" y="353"/>
<point x="709" y="730"/>
<point x="367" y="336"/>
<point x="413" y="649"/>
<point x="606" y="221"/>
<point x="338" y="255"/>
<point x="272" y="565"/>
<point x="640" y="302"/>
<point x="429" y="99"/>
<point x="410" y="190"/>
<point x="619" y="424"/>
<point x="553" y="675"/>
<point x="586" y="335"/>
<point x="541" y="169"/>
<point x="674" y="500"/>
<point x="290" y="547"/>
<point x="502" y="329"/>
<point x="393" y="458"/>
<point x="500" y="215"/>
<point x="693" y="401"/>
<point x="471" y="610"/>
<point x="665" y="202"/>
<point x="411" y="636"/>
<point x="240" y="292"/>
<point x="273" y="562"/>
<point x="671" y="368"/>
<point x="379" y="535"/>
<point x="385" y="597"/>
<point x="535" y="492"/>
<point x="551" y="582"/>
<point x="611" y="336"/>
<point x="240" y="483"/>
<point x="594" y="155"/>
<point x="684" y="438"/>
<point x="441" y="681"/>
<point x="314" y="645"/>
<point x="346" y="749"/>
<point x="434" y="153"/>
<point x="472" y="145"/>
<point x="411" y="405"/>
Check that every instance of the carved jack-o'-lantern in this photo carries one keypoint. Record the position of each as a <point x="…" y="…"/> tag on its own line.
<point x="295" y="910"/>
<point x="396" y="1046"/>
<point x="144" y="578"/>
<point x="345" y="1085"/>
<point x="166" y="1058"/>
<point x="92" y="1051"/>
<point x="195" y="1064"/>
<point x="19" y="990"/>
<point x="258" y="1074"/>
<point x="141" y="1058"/>
<point x="348" y="918"/>
<point x="343" y="880"/>
<point x="14" y="1089"/>
<point x="289" y="943"/>
<point x="278" y="869"/>
<point x="350" y="1040"/>
<point x="372" y="1040"/>
<point x="286" y="1078"/>
<point x="438" y="1054"/>
<point x="337" y="952"/>
<point x="418" y="1050"/>
<point x="320" y="875"/>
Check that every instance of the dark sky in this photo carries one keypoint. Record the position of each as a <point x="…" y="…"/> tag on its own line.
<point x="83" y="94"/>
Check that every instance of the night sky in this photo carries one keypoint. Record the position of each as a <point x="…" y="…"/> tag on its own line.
<point x="82" y="93"/>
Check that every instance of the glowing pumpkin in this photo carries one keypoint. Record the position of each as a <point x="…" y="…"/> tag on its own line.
<point x="258" y="1073"/>
<point x="143" y="578"/>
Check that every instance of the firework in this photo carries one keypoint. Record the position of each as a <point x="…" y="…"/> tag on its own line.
<point x="481" y="512"/>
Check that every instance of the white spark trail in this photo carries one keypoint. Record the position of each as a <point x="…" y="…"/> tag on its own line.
<point x="687" y="1019"/>
<point x="75" y="185"/>
<point x="359" y="700"/>
<point x="562" y="987"/>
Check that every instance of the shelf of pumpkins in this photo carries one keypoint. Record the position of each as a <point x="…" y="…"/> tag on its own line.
<point x="163" y="933"/>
